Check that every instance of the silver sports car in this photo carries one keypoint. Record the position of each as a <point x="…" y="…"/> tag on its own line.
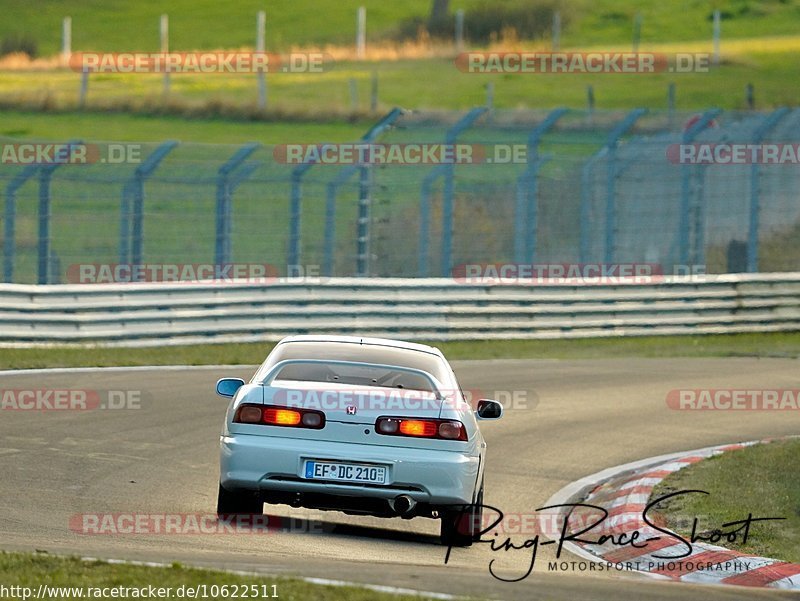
<point x="366" y="426"/>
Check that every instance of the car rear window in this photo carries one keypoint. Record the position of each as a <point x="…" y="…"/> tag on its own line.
<point x="362" y="353"/>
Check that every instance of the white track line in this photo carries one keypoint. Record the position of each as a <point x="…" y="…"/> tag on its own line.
<point x="393" y="590"/>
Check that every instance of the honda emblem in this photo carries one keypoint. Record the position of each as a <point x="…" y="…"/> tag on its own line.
<point x="351" y="410"/>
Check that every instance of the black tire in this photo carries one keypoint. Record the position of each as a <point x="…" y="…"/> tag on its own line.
<point x="238" y="503"/>
<point x="461" y="527"/>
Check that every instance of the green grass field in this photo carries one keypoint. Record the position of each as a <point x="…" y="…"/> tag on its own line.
<point x="154" y="128"/>
<point x="760" y="480"/>
<point x="203" y="24"/>
<point x="59" y="574"/>
<point x="416" y="84"/>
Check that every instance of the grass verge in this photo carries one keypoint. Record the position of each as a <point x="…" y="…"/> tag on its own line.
<point x="33" y="570"/>
<point x="760" y="480"/>
<point x="731" y="345"/>
<point x="327" y="96"/>
<point x="119" y="26"/>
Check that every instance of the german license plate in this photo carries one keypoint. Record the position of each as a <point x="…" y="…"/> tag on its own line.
<point x="345" y="472"/>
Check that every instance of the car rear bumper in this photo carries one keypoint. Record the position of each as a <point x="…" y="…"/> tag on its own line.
<point x="269" y="463"/>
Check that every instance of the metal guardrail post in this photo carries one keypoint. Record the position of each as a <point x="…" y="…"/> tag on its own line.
<point x="686" y="176"/>
<point x="222" y="246"/>
<point x="132" y="205"/>
<point x="9" y="242"/>
<point x="611" y="201"/>
<point x="525" y="242"/>
<point x="755" y="192"/>
<point x="448" y="191"/>
<point x="44" y="243"/>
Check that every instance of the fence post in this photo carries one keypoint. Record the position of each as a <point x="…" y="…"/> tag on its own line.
<point x="329" y="237"/>
<point x="525" y="241"/>
<point x="556" y="40"/>
<point x="44" y="241"/>
<point x="8" y="236"/>
<point x="44" y="228"/>
<point x="363" y="224"/>
<point x="448" y="192"/>
<point x="460" y="30"/>
<point x="671" y="103"/>
<point x="716" y="34"/>
<point x="222" y="247"/>
<point x="750" y="96"/>
<point x="611" y="200"/>
<point x="637" y="32"/>
<point x="686" y="189"/>
<point x="353" y="85"/>
<point x="330" y="206"/>
<point x="164" y="34"/>
<point x="134" y="212"/>
<point x="84" y="89"/>
<point x="755" y="193"/>
<point x="9" y="242"/>
<point x="425" y="219"/>
<point x="361" y="32"/>
<point x="373" y="101"/>
<point x="261" y="24"/>
<point x="66" y="38"/>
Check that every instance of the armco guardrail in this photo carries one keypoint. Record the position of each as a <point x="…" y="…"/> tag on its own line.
<point x="423" y="309"/>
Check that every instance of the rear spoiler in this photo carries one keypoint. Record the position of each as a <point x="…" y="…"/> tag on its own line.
<point x="436" y="386"/>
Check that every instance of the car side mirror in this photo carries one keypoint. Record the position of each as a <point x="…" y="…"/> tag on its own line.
<point x="227" y="387"/>
<point x="489" y="409"/>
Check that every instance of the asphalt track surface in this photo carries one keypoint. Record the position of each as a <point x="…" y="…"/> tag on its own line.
<point x="579" y="417"/>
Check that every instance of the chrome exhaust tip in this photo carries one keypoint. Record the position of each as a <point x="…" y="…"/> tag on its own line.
<point x="403" y="505"/>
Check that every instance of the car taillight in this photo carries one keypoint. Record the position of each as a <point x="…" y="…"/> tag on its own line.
<point x="282" y="417"/>
<point x="418" y="427"/>
<point x="279" y="416"/>
<point x="447" y="429"/>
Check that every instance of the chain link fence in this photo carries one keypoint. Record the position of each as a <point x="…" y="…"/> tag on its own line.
<point x="559" y="186"/>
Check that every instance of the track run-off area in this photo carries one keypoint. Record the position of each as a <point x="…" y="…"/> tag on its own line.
<point x="565" y="419"/>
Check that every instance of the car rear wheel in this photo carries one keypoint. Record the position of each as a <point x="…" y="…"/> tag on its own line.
<point x="461" y="527"/>
<point x="238" y="503"/>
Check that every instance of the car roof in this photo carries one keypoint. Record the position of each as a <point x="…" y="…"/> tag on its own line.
<point x="363" y="340"/>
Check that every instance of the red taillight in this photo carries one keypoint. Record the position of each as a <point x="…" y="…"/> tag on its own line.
<point x="421" y="428"/>
<point x="279" y="416"/>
